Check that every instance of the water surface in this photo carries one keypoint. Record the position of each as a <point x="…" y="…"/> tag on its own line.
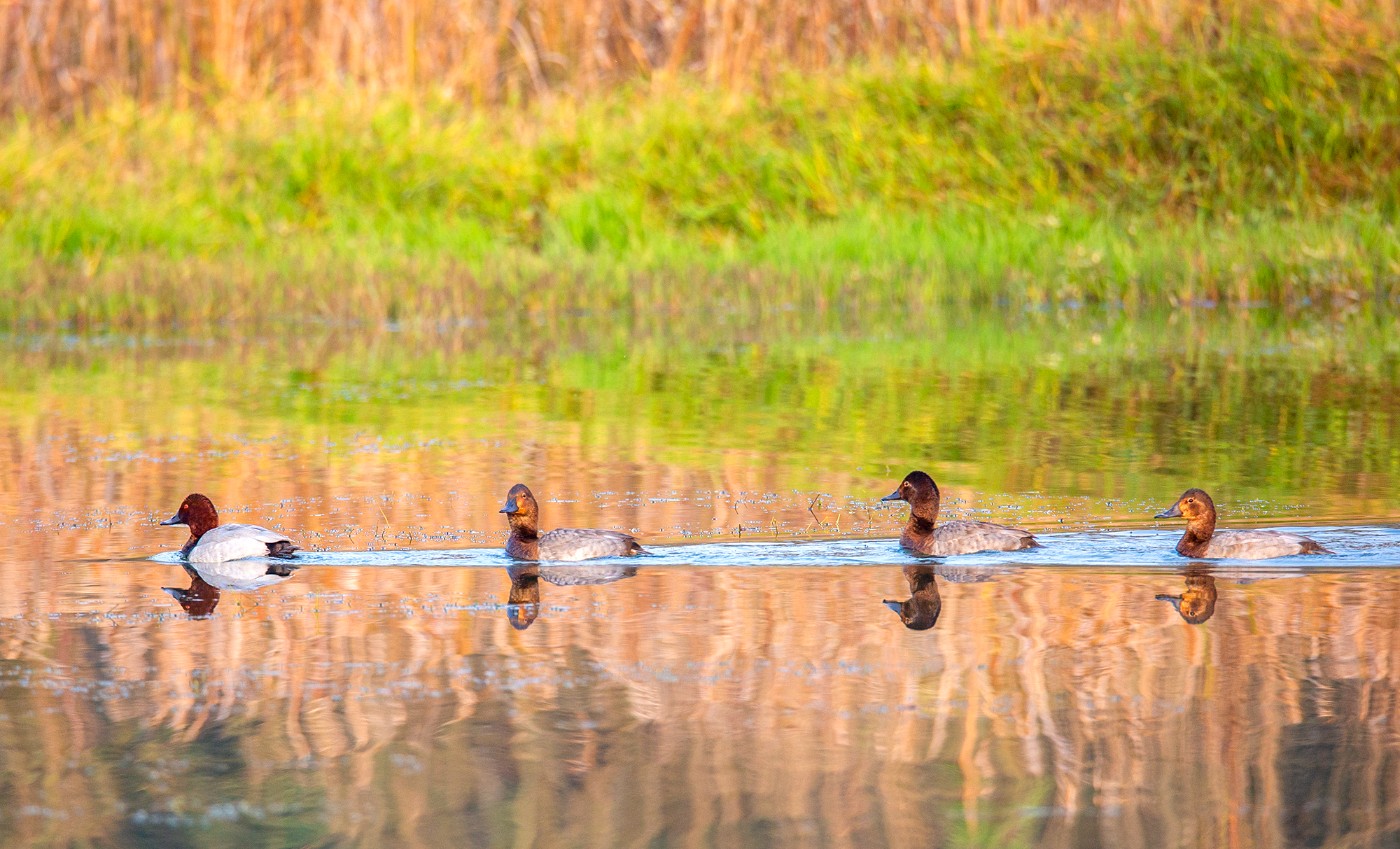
<point x="777" y="673"/>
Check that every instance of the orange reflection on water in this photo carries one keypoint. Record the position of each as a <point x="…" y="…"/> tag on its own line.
<point x="745" y="706"/>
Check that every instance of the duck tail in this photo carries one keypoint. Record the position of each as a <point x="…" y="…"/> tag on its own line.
<point x="634" y="548"/>
<point x="282" y="548"/>
<point x="1310" y="547"/>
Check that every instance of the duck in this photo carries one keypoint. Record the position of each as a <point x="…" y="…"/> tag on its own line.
<point x="961" y="537"/>
<point x="211" y="542"/>
<point x="1203" y="542"/>
<point x="527" y="543"/>
<point x="921" y="610"/>
<point x="1196" y="603"/>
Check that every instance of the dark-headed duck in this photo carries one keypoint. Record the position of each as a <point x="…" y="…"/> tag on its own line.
<point x="527" y="543"/>
<point x="1202" y="541"/>
<point x="211" y="542"/>
<point x="923" y="536"/>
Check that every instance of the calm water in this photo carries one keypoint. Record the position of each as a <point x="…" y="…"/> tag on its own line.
<point x="777" y="673"/>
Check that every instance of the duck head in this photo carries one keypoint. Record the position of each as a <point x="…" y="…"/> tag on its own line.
<point x="198" y="513"/>
<point x="921" y="492"/>
<point x="1196" y="507"/>
<point x="521" y="509"/>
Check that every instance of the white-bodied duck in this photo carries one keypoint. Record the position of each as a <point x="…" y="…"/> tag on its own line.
<point x="211" y="542"/>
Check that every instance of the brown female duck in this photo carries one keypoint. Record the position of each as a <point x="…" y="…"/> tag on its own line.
<point x="527" y="543"/>
<point x="211" y="542"/>
<point x="923" y="536"/>
<point x="1203" y="541"/>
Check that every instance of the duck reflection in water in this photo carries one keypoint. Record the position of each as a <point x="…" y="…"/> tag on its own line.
<point x="523" y="603"/>
<point x="208" y="581"/>
<point x="1196" y="603"/>
<point x="524" y="599"/>
<point x="920" y="611"/>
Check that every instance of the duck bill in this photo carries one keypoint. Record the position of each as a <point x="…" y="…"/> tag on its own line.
<point x="510" y="507"/>
<point x="1171" y="512"/>
<point x="893" y="496"/>
<point x="896" y="606"/>
<point x="1173" y="600"/>
<point x="173" y="520"/>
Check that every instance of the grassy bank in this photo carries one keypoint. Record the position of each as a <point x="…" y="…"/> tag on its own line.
<point x="1059" y="164"/>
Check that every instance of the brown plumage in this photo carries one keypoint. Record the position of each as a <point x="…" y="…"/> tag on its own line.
<point x="527" y="543"/>
<point x="198" y="514"/>
<point x="923" y="535"/>
<point x="1203" y="541"/>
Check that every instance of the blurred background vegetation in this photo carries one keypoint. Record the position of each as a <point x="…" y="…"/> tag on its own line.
<point x="213" y="161"/>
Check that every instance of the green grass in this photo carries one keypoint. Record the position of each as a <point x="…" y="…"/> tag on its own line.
<point x="1056" y="165"/>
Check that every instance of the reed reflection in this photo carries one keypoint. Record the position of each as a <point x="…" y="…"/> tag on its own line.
<point x="1196" y="603"/>
<point x="208" y="581"/>
<point x="523" y="601"/>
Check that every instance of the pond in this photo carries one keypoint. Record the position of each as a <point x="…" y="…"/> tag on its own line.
<point x="776" y="672"/>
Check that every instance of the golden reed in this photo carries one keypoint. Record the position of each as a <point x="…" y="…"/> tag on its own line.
<point x="57" y="56"/>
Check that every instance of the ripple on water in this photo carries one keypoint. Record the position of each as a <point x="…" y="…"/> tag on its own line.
<point x="1353" y="547"/>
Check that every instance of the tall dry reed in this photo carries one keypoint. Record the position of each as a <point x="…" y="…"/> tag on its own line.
<point x="58" y="56"/>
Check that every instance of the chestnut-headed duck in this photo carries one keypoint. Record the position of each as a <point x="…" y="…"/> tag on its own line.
<point x="1203" y="541"/>
<point x="922" y="535"/>
<point x="920" y="611"/>
<point x="527" y="543"/>
<point x="1196" y="603"/>
<point x="211" y="542"/>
